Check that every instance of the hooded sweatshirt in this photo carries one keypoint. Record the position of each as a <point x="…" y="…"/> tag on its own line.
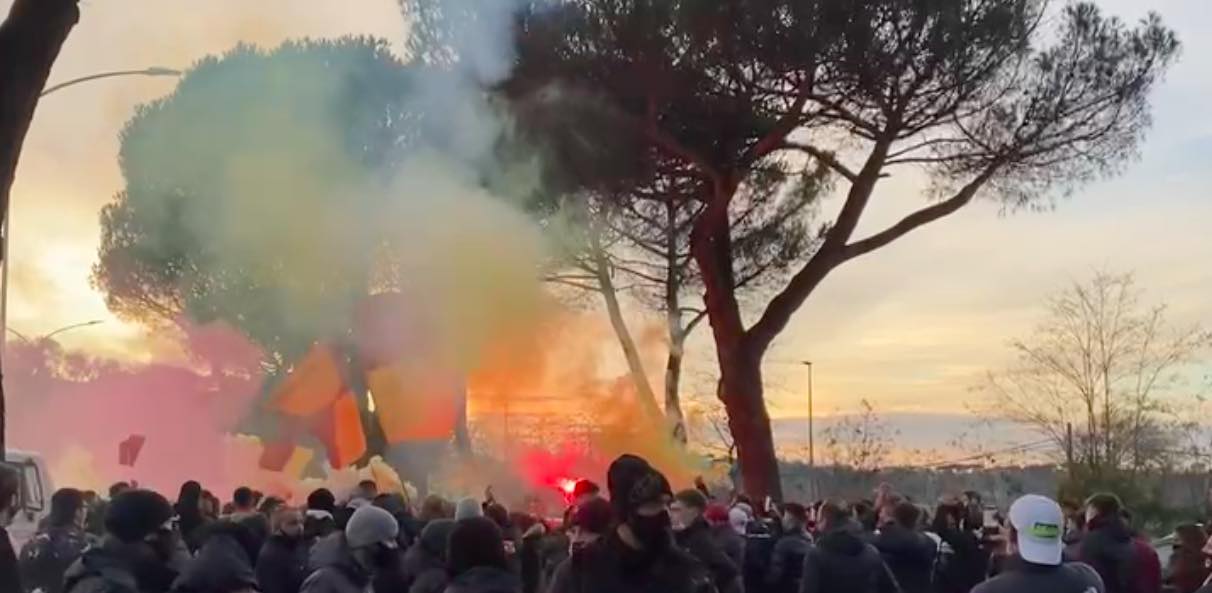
<point x="334" y="568"/>
<point x="485" y="579"/>
<point x="842" y="562"/>
<point x="909" y="555"/>
<point x="1108" y="548"/>
<point x="224" y="563"/>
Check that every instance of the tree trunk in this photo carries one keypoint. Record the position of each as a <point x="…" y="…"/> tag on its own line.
<point x="741" y="390"/>
<point x="635" y="364"/>
<point x="30" y="40"/>
<point x="673" y="383"/>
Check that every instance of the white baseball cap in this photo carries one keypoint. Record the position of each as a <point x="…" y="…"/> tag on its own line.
<point x="1039" y="523"/>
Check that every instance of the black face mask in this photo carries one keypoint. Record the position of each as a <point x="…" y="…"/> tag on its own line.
<point x="384" y="558"/>
<point x="652" y="531"/>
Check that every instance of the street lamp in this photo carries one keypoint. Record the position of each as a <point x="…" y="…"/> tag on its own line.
<point x="56" y="332"/>
<point x="811" y="435"/>
<point x="4" y="240"/>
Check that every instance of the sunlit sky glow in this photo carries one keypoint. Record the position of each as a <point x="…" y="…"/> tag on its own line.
<point x="910" y="328"/>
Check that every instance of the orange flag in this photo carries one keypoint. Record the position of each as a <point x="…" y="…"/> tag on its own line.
<point x="413" y="404"/>
<point x="340" y="429"/>
<point x="313" y="384"/>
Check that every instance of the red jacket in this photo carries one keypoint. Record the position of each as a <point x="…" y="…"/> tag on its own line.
<point x="1148" y="566"/>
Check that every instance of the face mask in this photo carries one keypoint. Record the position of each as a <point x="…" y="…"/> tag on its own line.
<point x="384" y="557"/>
<point x="652" y="531"/>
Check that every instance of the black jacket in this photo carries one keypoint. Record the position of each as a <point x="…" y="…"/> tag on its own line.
<point x="731" y="542"/>
<point x="842" y="562"/>
<point x="1108" y="549"/>
<point x="610" y="566"/>
<point x="1023" y="577"/>
<point x="787" y="564"/>
<point x="485" y="579"/>
<point x="224" y="563"/>
<point x="45" y="559"/>
<point x="963" y="566"/>
<point x="334" y="569"/>
<point x="909" y="555"/>
<point x="10" y="575"/>
<point x="698" y="540"/>
<point x="282" y="565"/>
<point x="116" y="567"/>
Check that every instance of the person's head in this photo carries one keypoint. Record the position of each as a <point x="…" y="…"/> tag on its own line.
<point x="590" y="522"/>
<point x="583" y="491"/>
<point x="688" y="506"/>
<point x="1103" y="506"/>
<point x="210" y="504"/>
<point x="467" y="508"/>
<point x="434" y="507"/>
<point x="864" y="513"/>
<point x="1189" y="538"/>
<point x="716" y="515"/>
<point x="142" y="516"/>
<point x="971" y="498"/>
<point x="795" y="517"/>
<point x="739" y="520"/>
<point x="907" y="515"/>
<point x="257" y="497"/>
<point x="475" y="542"/>
<point x="887" y="510"/>
<point x="366" y="490"/>
<point x="243" y="501"/>
<point x="287" y="522"/>
<point x="435" y="537"/>
<point x="499" y="515"/>
<point x="10" y="488"/>
<point x="321" y="499"/>
<point x="947" y="517"/>
<point x="118" y="488"/>
<point x="1036" y="528"/>
<point x="832" y="515"/>
<point x="190" y="494"/>
<point x="371" y="535"/>
<point x="640" y="496"/>
<point x="68" y="508"/>
<point x="270" y="504"/>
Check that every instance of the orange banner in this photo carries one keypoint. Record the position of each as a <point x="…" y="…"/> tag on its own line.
<point x="413" y="404"/>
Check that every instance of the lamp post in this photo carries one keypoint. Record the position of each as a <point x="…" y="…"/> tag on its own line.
<point x="4" y="239"/>
<point x="56" y="332"/>
<point x="811" y="432"/>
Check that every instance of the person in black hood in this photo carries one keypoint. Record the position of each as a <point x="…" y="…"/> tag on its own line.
<point x="224" y="563"/>
<point x="189" y="514"/>
<point x="282" y="563"/>
<point x="1107" y="546"/>
<point x="140" y="552"/>
<point x="908" y="552"/>
<point x="638" y="555"/>
<point x="47" y="556"/>
<point x="694" y="535"/>
<point x="318" y="521"/>
<point x="425" y="562"/>
<point x="477" y="561"/>
<point x="964" y="564"/>
<point x="841" y="561"/>
<point x="786" y="567"/>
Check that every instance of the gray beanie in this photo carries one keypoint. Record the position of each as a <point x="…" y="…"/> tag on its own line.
<point x="371" y="525"/>
<point x="468" y="508"/>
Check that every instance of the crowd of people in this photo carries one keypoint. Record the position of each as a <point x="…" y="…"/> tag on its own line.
<point x="636" y="537"/>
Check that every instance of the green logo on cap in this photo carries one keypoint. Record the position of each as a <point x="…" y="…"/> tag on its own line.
<point x="1045" y="531"/>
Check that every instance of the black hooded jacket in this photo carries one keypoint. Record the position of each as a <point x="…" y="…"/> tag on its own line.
<point x="118" y="567"/>
<point x="1108" y="549"/>
<point x="611" y="566"/>
<point x="282" y="565"/>
<point x="909" y="555"/>
<point x="842" y="562"/>
<point x="485" y="579"/>
<point x="224" y="563"/>
<point x="45" y="559"/>
<point x="697" y="539"/>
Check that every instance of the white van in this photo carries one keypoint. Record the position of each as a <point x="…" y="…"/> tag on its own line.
<point x="35" y="493"/>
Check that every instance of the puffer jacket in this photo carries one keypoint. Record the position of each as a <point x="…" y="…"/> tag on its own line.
<point x="224" y="563"/>
<point x="698" y="540"/>
<point x="909" y="555"/>
<point x="842" y="562"/>
<point x="45" y="558"/>
<point x="1108" y="548"/>
<point x="610" y="566"/>
<point x="112" y="566"/>
<point x="787" y="564"/>
<point x="485" y="579"/>
<point x="334" y="568"/>
<point x="282" y="565"/>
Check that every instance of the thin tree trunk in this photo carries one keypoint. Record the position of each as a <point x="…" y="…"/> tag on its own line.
<point x="673" y="380"/>
<point x="631" y="353"/>
<point x="30" y="40"/>
<point x="674" y="417"/>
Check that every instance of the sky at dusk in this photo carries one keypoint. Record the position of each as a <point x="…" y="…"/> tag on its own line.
<point x="911" y="328"/>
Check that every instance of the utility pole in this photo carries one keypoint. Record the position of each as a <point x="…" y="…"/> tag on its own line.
<point x="1069" y="446"/>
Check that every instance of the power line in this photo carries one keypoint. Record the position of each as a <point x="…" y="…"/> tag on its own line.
<point x="1020" y="448"/>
